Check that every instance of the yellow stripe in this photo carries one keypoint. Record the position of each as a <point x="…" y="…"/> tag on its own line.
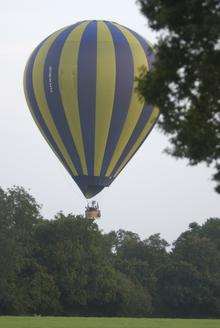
<point x="68" y="85"/>
<point x="38" y="85"/>
<point x="140" y="139"/>
<point x="105" y="89"/>
<point x="136" y="104"/>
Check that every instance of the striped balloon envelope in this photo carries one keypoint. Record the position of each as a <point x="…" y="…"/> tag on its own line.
<point x="80" y="86"/>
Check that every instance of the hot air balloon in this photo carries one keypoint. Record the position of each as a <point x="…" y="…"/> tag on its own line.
<point x="80" y="86"/>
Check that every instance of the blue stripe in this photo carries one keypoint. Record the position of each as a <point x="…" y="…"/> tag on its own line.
<point x="87" y="63"/>
<point x="52" y="92"/>
<point x="123" y="91"/>
<point x="143" y="119"/>
<point x="147" y="49"/>
<point x="35" y="108"/>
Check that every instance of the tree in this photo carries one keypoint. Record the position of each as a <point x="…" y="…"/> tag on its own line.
<point x="183" y="290"/>
<point x="80" y="260"/>
<point x="141" y="260"/>
<point x="19" y="214"/>
<point x="185" y="81"/>
<point x="190" y="282"/>
<point x="131" y="298"/>
<point x="36" y="291"/>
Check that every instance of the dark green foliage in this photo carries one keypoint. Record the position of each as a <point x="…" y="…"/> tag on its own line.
<point x="185" y="81"/>
<point x="190" y="281"/>
<point x="67" y="266"/>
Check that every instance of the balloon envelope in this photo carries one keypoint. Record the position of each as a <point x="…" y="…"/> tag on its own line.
<point x="81" y="90"/>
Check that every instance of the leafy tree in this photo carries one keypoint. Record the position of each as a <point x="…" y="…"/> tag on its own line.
<point x="183" y="290"/>
<point x="19" y="213"/>
<point x="131" y="298"/>
<point x="204" y="239"/>
<point x="210" y="229"/>
<point x="189" y="284"/>
<point x="185" y="81"/>
<point x="36" y="291"/>
<point x="80" y="259"/>
<point x="141" y="260"/>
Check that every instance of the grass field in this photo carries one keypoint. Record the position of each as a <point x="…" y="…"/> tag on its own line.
<point x="61" y="322"/>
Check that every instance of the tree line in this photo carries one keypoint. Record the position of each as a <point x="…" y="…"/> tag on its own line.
<point x="68" y="266"/>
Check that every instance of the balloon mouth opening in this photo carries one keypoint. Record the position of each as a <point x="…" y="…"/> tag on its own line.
<point x="91" y="191"/>
<point x="92" y="185"/>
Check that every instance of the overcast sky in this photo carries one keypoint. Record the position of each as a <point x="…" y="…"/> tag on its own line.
<point x="154" y="193"/>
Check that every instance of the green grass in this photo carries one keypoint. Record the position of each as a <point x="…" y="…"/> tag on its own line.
<point x="65" y="322"/>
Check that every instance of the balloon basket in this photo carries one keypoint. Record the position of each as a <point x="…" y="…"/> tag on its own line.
<point x="92" y="211"/>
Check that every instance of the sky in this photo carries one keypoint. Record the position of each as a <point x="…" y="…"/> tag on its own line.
<point x="154" y="193"/>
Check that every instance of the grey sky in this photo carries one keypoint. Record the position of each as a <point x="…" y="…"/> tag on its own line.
<point x="154" y="193"/>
